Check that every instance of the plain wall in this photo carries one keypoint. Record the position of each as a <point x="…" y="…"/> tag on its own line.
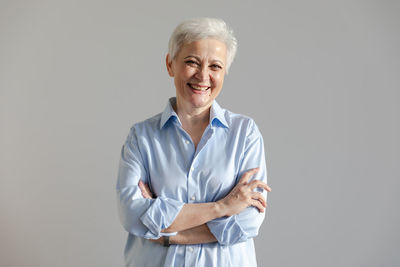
<point x="320" y="78"/>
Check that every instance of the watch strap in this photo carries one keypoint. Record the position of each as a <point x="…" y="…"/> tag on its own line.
<point x="166" y="241"/>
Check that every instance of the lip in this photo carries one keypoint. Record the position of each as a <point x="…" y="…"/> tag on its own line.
<point x="199" y="92"/>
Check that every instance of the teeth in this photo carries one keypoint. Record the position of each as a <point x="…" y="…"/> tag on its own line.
<point x="199" y="87"/>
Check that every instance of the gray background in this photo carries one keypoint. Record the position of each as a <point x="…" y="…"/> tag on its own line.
<point x="320" y="78"/>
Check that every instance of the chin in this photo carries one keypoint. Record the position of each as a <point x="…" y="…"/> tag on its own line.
<point x="201" y="102"/>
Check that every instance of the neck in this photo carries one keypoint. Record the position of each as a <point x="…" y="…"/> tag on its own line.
<point x="189" y="115"/>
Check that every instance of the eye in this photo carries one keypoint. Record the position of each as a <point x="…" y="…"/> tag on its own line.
<point x="191" y="62"/>
<point x="216" y="66"/>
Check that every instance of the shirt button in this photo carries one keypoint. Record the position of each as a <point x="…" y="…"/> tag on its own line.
<point x="192" y="169"/>
<point x="187" y="142"/>
<point x="193" y="198"/>
<point x="190" y="249"/>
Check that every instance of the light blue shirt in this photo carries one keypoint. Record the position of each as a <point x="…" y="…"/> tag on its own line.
<point x="160" y="152"/>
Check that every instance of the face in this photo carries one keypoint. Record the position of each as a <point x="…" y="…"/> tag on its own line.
<point x="198" y="70"/>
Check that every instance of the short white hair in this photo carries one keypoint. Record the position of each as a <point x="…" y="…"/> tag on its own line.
<point x="203" y="28"/>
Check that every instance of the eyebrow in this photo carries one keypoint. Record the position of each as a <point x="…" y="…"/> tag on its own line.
<point x="214" y="60"/>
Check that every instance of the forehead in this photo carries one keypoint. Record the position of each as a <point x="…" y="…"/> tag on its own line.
<point x="205" y="48"/>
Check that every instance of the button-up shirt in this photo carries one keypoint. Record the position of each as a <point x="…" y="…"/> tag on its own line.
<point x="160" y="152"/>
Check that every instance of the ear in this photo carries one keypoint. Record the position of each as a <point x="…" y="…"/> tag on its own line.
<point x="169" y="66"/>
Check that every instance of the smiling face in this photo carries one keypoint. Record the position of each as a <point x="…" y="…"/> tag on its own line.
<point x="198" y="70"/>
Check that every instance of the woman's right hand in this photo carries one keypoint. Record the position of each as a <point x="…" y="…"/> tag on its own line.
<point x="243" y="196"/>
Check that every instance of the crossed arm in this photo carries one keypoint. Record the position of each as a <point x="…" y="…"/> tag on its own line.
<point x="191" y="220"/>
<point x="230" y="220"/>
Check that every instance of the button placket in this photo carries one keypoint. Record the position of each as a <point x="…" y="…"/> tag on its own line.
<point x="191" y="189"/>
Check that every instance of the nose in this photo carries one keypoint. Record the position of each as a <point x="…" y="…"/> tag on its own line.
<point x="203" y="74"/>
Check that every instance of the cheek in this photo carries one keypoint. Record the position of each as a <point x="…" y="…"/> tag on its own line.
<point x="188" y="72"/>
<point x="218" y="79"/>
<point x="183" y="78"/>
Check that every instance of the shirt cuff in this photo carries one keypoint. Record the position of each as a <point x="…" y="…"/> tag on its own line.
<point x="160" y="215"/>
<point x="227" y="230"/>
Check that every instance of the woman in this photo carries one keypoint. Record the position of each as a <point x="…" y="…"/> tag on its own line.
<point x="205" y="165"/>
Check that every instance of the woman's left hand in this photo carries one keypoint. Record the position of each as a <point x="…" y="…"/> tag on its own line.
<point x="146" y="192"/>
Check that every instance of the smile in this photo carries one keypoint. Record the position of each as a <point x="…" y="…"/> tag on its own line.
<point x="201" y="88"/>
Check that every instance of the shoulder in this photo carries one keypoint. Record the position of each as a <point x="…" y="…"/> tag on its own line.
<point x="146" y="127"/>
<point x="240" y="122"/>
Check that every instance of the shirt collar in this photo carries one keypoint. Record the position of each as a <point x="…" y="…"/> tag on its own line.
<point x="168" y="112"/>
<point x="216" y="114"/>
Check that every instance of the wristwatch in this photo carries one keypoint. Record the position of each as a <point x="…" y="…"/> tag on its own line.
<point x="166" y="241"/>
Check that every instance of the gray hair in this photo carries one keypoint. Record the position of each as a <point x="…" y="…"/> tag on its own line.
<point x="203" y="28"/>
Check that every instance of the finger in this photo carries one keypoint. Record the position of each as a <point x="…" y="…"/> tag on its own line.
<point x="141" y="186"/>
<point x="257" y="204"/>
<point x="246" y="176"/>
<point x="146" y="195"/>
<point x="144" y="190"/>
<point x="259" y="184"/>
<point x="258" y="196"/>
<point x="146" y="186"/>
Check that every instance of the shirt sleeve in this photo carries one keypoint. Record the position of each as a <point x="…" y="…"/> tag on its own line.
<point x="140" y="216"/>
<point x="245" y="225"/>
